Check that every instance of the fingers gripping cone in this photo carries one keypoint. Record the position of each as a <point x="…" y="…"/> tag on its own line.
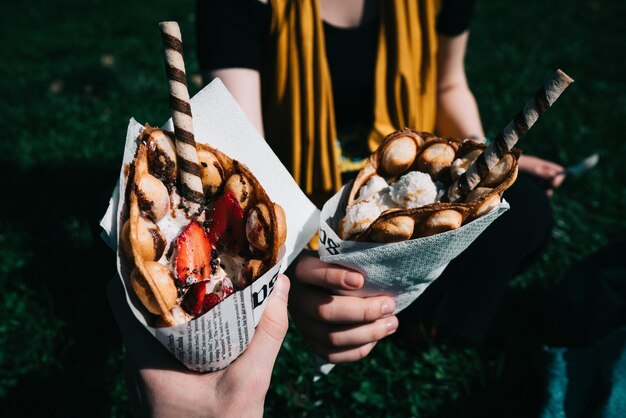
<point x="524" y="120"/>
<point x="191" y="184"/>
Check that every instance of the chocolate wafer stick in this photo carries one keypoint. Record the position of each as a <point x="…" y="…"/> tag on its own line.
<point x="189" y="170"/>
<point x="524" y="120"/>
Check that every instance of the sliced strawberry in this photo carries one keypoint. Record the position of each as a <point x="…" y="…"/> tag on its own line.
<point x="193" y="302"/>
<point x="197" y="301"/>
<point x="210" y="301"/>
<point x="193" y="255"/>
<point x="226" y="224"/>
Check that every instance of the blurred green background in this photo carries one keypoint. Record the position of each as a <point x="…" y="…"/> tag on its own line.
<point x="74" y="72"/>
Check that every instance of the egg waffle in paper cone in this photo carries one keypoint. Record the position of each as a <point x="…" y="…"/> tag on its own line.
<point x="213" y="339"/>
<point x="403" y="267"/>
<point x="146" y="284"/>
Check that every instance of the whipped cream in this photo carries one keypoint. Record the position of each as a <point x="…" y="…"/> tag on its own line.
<point x="413" y="190"/>
<point x="360" y="215"/>
<point x="172" y="224"/>
<point x="375" y="186"/>
<point x="232" y="266"/>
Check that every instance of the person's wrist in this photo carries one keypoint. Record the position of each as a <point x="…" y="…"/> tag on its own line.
<point x="164" y="395"/>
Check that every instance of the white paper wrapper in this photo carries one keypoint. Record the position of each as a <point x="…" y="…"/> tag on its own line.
<point x="403" y="269"/>
<point x="212" y="341"/>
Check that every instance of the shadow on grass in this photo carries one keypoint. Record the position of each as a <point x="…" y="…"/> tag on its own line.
<point x="58" y="210"/>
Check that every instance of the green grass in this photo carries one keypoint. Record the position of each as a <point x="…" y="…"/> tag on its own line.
<point x="75" y="71"/>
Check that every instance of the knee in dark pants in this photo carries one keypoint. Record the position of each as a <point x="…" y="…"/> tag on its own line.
<point x="528" y="224"/>
<point x="510" y="243"/>
<point x="466" y="296"/>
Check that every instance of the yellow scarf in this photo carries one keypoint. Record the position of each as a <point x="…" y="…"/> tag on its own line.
<point x="297" y="91"/>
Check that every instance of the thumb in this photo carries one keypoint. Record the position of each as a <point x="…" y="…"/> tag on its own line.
<point x="261" y="354"/>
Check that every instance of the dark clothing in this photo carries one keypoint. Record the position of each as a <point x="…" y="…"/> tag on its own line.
<point x="455" y="17"/>
<point x="465" y="298"/>
<point x="586" y="382"/>
<point x="587" y="310"/>
<point x="588" y="303"/>
<point x="232" y="33"/>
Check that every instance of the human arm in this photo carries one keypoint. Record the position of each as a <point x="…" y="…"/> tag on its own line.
<point x="245" y="86"/>
<point x="338" y="328"/>
<point x="458" y="115"/>
<point x="457" y="111"/>
<point x="159" y="386"/>
<point x="230" y="45"/>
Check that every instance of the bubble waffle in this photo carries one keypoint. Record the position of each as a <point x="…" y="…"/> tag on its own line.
<point x="444" y="160"/>
<point x="184" y="262"/>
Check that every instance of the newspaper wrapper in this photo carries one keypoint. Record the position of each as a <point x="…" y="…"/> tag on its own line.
<point x="404" y="269"/>
<point x="212" y="341"/>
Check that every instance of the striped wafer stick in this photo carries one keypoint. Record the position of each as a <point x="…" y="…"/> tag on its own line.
<point x="189" y="170"/>
<point x="524" y="120"/>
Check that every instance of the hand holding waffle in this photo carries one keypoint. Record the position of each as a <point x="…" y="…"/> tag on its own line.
<point x="338" y="328"/>
<point x="166" y="388"/>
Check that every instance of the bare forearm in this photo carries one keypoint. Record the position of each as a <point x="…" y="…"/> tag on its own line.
<point x="245" y="86"/>
<point x="457" y="112"/>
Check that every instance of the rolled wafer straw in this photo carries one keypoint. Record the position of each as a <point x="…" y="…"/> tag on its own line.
<point x="189" y="169"/>
<point x="524" y="120"/>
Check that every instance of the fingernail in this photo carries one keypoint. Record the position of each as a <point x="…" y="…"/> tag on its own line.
<point x="281" y="288"/>
<point x="388" y="307"/>
<point x="392" y="325"/>
<point x="354" y="280"/>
